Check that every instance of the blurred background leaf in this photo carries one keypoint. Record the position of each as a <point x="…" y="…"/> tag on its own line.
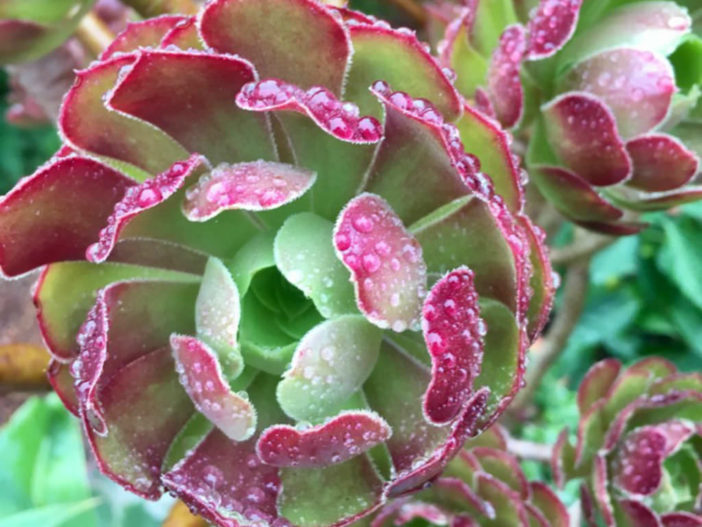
<point x="21" y="150"/>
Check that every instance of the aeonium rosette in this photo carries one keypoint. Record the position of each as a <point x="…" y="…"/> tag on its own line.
<point x="638" y="445"/>
<point x="482" y="485"/>
<point x="606" y="94"/>
<point x="301" y="294"/>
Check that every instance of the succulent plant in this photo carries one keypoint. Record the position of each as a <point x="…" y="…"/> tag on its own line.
<point x="638" y="445"/>
<point x="32" y="28"/>
<point x="482" y="485"/>
<point x="272" y="285"/>
<point x="605" y="93"/>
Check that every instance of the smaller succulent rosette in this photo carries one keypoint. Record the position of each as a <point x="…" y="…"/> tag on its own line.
<point x="606" y="96"/>
<point x="639" y="446"/>
<point x="621" y="125"/>
<point x="32" y="28"/>
<point x="272" y="285"/>
<point x="482" y="486"/>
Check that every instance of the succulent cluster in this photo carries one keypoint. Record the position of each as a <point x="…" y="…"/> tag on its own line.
<point x="606" y="94"/>
<point x="482" y="485"/>
<point x="639" y="446"/>
<point x="273" y="285"/>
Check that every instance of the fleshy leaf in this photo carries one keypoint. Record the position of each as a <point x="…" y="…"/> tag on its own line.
<point x="20" y="39"/>
<point x="217" y="314"/>
<point x="573" y="196"/>
<point x="681" y="519"/>
<point x="199" y="111"/>
<point x="299" y="41"/>
<point x="129" y="319"/>
<point x="491" y="145"/>
<point x="223" y="480"/>
<point x="398" y="58"/>
<point x="337" y="440"/>
<point x="466" y="232"/>
<point x="336" y="118"/>
<point x="651" y="201"/>
<point x="583" y="132"/>
<point x="633" y="513"/>
<point x="597" y="383"/>
<point x="504" y="83"/>
<point x="61" y="208"/>
<point x="456" y="52"/>
<point x="253" y="186"/>
<point x="636" y="85"/>
<point x="61" y="381"/>
<point x="653" y="26"/>
<point x="503" y="365"/>
<point x="542" y="280"/>
<point x="661" y="162"/>
<point x="551" y="26"/>
<point x="145" y="33"/>
<point x="503" y="499"/>
<point x="139" y="427"/>
<point x="549" y="504"/>
<point x="325" y="135"/>
<point x="150" y="252"/>
<point x="87" y="124"/>
<point x="65" y="292"/>
<point x="503" y="467"/>
<point x="304" y="254"/>
<point x="337" y="493"/>
<point x="639" y="459"/>
<point x="413" y="168"/>
<point x="454" y="333"/>
<point x="137" y="199"/>
<point x="330" y="363"/>
<point x="204" y="480"/>
<point x="385" y="261"/>
<point x="184" y="35"/>
<point x="201" y="375"/>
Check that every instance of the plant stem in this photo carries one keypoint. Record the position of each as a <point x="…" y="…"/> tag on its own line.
<point x="582" y="247"/>
<point x="151" y="8"/>
<point x="529" y="450"/>
<point x="94" y="34"/>
<point x="554" y="342"/>
<point x="412" y="8"/>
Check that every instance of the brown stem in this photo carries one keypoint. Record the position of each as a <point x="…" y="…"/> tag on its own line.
<point x="582" y="247"/>
<point x="413" y="9"/>
<point x="23" y="368"/>
<point x="554" y="342"/>
<point x="151" y="8"/>
<point x="94" y="34"/>
<point x="529" y="450"/>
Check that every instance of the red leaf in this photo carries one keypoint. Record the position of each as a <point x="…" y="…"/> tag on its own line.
<point x="138" y="199"/>
<point x="338" y="119"/>
<point x="201" y="375"/>
<point x="453" y="332"/>
<point x="385" y="261"/>
<point x="583" y="132"/>
<point x="636" y="85"/>
<point x="56" y="213"/>
<point x="661" y="162"/>
<point x="254" y="186"/>
<point x="504" y="83"/>
<point x="551" y="26"/>
<point x="145" y="33"/>
<point x="342" y="437"/>
<point x="299" y="41"/>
